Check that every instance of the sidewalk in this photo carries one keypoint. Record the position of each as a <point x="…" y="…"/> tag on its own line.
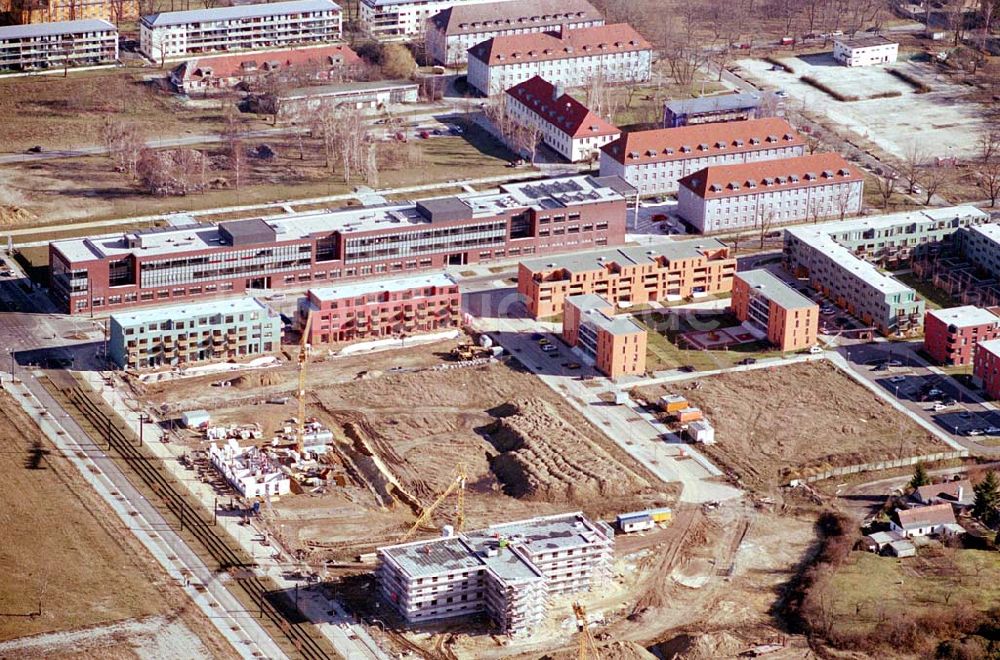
<point x="349" y="638"/>
<point x="220" y="608"/>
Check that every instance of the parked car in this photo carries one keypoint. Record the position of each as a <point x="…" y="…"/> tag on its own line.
<point x="548" y="348"/>
<point x="938" y="407"/>
<point x="934" y="392"/>
<point x="424" y="135"/>
<point x="894" y="363"/>
<point x="815" y="350"/>
<point x="456" y="130"/>
<point x="965" y="414"/>
<point x="687" y="368"/>
<point x="992" y="430"/>
<point x="37" y="149"/>
<point x="974" y="432"/>
<point x="543" y="341"/>
<point x="437" y="131"/>
<point x="949" y="402"/>
<point x="747" y="361"/>
<point x="897" y="379"/>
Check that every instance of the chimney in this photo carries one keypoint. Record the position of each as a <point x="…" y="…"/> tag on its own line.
<point x="557" y="91"/>
<point x="961" y="492"/>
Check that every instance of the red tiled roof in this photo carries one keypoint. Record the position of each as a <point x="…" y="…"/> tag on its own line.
<point x="542" y="46"/>
<point x="512" y="15"/>
<point x="719" y="181"/>
<point x="699" y="140"/>
<point x="229" y="66"/>
<point x="565" y="113"/>
<point x="925" y="516"/>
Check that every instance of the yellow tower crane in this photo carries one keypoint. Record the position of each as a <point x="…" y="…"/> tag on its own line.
<point x="458" y="483"/>
<point x="303" y="361"/>
<point x="587" y="649"/>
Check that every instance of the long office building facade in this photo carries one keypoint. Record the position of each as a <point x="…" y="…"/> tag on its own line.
<point x="104" y="274"/>
<point x="838" y="258"/>
<point x="665" y="272"/>
<point x="54" y="45"/>
<point x="654" y="161"/>
<point x="452" y="32"/>
<point x="183" y="334"/>
<point x="244" y="27"/>
<point x="381" y="308"/>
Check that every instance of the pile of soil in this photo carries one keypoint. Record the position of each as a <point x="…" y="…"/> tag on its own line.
<point x="11" y="216"/>
<point x="544" y="458"/>
<point x="252" y="379"/>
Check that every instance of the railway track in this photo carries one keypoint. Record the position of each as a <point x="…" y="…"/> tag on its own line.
<point x="303" y="640"/>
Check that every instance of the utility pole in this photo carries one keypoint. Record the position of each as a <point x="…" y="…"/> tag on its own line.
<point x="142" y="418"/>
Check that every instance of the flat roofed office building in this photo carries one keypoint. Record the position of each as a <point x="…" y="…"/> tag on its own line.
<point x="183" y="334"/>
<point x="788" y="320"/>
<point x="243" y="27"/>
<point x="105" y="274"/>
<point x="382" y="308"/>
<point x="53" y="45"/>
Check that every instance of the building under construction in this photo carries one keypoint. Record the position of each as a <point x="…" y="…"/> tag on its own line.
<point x="507" y="571"/>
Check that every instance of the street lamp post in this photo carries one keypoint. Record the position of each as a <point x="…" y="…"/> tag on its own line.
<point x="11" y="351"/>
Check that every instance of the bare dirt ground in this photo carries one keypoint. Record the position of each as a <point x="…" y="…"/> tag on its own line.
<point x="523" y="449"/>
<point x="773" y="425"/>
<point x="64" y="549"/>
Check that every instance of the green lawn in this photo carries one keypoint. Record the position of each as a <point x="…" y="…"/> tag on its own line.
<point x="867" y="587"/>
<point x="935" y="297"/>
<point x="663" y="353"/>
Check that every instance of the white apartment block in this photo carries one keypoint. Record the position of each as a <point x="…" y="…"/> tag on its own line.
<point x="865" y="51"/>
<point x="981" y="246"/>
<point x="244" y="27"/>
<point x="573" y="58"/>
<point x="249" y="470"/>
<point x="452" y="32"/>
<point x="565" y="124"/>
<point x="654" y="161"/>
<point x="769" y="193"/>
<point x="400" y="19"/>
<point x="836" y="257"/>
<point x="508" y="571"/>
<point x="60" y="44"/>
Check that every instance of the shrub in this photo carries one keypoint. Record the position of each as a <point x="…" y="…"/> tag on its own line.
<point x="809" y="80"/>
<point x="919" y="86"/>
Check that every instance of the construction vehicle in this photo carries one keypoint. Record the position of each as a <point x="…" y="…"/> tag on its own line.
<point x="458" y="483"/>
<point x="587" y="649"/>
<point x="300" y="437"/>
<point x="469" y="352"/>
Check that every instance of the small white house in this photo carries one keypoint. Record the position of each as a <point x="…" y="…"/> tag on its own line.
<point x="865" y="51"/>
<point x="924" y="520"/>
<point x="702" y="431"/>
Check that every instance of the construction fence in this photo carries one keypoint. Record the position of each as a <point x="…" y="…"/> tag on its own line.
<point x="879" y="465"/>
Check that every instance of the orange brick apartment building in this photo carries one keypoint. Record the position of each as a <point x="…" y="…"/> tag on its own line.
<point x="617" y="345"/>
<point x="790" y="320"/>
<point x="379" y="309"/>
<point x="670" y="271"/>
<point x="24" y="12"/>
<point x="986" y="372"/>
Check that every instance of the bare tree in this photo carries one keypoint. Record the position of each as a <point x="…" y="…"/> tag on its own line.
<point x="932" y="178"/>
<point x="764" y="220"/>
<point x="843" y="201"/>
<point x="526" y="138"/>
<point x="232" y="135"/>
<point x="885" y="183"/>
<point x="913" y="164"/>
<point x="125" y="142"/>
<point x="172" y="171"/>
<point x="988" y="178"/>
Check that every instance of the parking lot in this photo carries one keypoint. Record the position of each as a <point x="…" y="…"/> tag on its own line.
<point x="936" y="397"/>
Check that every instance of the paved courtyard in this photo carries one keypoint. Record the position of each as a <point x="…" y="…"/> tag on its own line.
<point x="940" y="117"/>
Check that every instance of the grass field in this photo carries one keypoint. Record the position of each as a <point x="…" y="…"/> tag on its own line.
<point x="868" y="589"/>
<point x="663" y="353"/>
<point x="88" y="189"/>
<point x="62" y="548"/>
<point x="933" y="296"/>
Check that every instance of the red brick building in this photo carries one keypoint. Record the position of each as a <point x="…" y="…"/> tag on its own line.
<point x="986" y="370"/>
<point x="189" y="262"/>
<point x="951" y="335"/>
<point x="789" y="319"/>
<point x="382" y="308"/>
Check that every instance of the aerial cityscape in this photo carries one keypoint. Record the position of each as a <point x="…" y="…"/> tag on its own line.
<point x="482" y="329"/>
